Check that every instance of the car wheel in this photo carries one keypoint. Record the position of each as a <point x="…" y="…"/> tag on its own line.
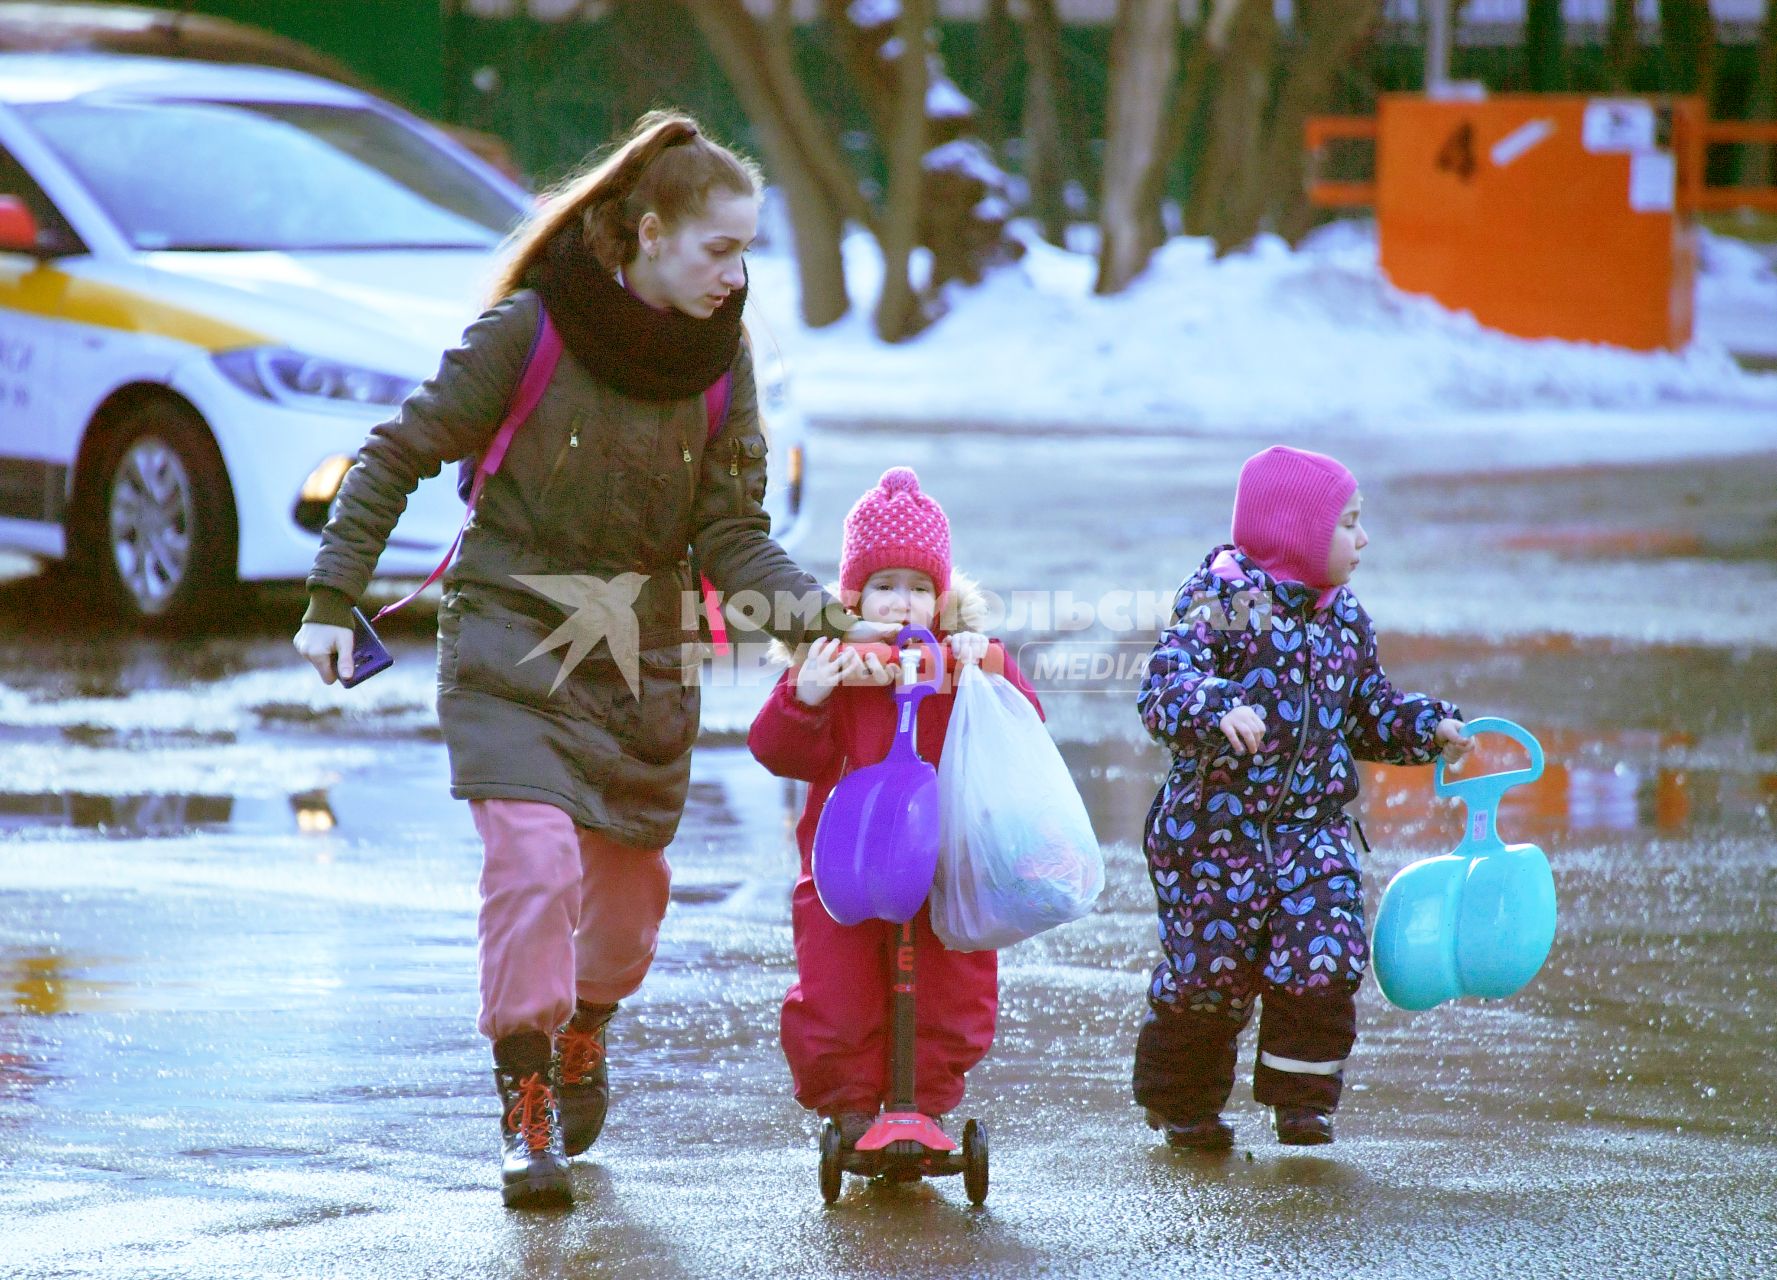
<point x="156" y="522"/>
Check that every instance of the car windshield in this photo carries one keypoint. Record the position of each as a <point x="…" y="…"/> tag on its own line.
<point x="276" y="176"/>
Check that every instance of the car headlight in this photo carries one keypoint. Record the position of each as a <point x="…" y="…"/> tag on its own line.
<point x="292" y="378"/>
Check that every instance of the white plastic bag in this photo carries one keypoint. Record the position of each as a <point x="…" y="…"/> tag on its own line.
<point x="1018" y="855"/>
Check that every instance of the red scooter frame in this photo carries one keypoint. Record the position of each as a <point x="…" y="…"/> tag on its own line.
<point x="904" y="1145"/>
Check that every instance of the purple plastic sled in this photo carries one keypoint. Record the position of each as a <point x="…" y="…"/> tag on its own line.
<point x="876" y="846"/>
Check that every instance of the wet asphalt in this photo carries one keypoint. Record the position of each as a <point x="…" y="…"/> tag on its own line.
<point x="237" y="985"/>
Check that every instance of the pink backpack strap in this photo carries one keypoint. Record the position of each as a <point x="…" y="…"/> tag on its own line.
<point x="533" y="380"/>
<point x="715" y="403"/>
<point x="715" y="407"/>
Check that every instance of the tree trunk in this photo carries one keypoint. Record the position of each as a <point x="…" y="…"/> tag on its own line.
<point x="1687" y="49"/>
<point x="1622" y="45"/>
<point x="1144" y="58"/>
<point x="999" y="51"/>
<point x="898" y="312"/>
<point x="1755" y="164"/>
<point x="1331" y="31"/>
<point x="1545" y="46"/>
<point x="820" y="188"/>
<point x="1195" y="84"/>
<point x="1212" y="51"/>
<point x="1045" y="169"/>
<point x="858" y="50"/>
<point x="1233" y="167"/>
<point x="818" y="228"/>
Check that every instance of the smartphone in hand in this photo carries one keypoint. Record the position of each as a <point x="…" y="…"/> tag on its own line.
<point x="369" y="656"/>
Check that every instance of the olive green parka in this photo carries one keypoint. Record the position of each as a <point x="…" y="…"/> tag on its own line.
<point x="601" y="495"/>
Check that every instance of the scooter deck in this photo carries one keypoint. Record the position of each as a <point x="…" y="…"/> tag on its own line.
<point x="903" y="1146"/>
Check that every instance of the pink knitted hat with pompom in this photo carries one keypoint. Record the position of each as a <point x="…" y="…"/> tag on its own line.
<point x="895" y="526"/>
<point x="1285" y="509"/>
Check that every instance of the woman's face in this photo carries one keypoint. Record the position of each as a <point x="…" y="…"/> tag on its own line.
<point x="905" y="597"/>
<point x="695" y="265"/>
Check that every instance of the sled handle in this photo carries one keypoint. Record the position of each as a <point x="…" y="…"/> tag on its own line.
<point x="1483" y="795"/>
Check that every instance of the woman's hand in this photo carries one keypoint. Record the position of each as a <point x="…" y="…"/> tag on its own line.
<point x="1453" y="735"/>
<point x="1244" y="728"/>
<point x="873" y="633"/>
<point x="329" y="648"/>
<point x="968" y="646"/>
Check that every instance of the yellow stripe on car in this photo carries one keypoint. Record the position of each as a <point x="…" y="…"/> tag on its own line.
<point x="52" y="294"/>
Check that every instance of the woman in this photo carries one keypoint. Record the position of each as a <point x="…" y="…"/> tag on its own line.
<point x="576" y="772"/>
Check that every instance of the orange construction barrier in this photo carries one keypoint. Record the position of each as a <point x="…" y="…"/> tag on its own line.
<point x="1544" y="215"/>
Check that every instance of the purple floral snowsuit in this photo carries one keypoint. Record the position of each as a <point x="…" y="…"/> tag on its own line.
<point x="1251" y="857"/>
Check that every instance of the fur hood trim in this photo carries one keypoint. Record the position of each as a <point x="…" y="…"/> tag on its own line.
<point x="965" y="607"/>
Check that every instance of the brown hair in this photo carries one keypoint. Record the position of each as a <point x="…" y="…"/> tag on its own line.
<point x="666" y="164"/>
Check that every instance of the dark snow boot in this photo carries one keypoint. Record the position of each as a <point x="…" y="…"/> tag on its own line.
<point x="852" y="1126"/>
<point x="582" y="1087"/>
<point x="1211" y="1133"/>
<point x="534" y="1168"/>
<point x="1303" y="1127"/>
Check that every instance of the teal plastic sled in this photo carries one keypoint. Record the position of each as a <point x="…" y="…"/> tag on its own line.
<point x="1478" y="921"/>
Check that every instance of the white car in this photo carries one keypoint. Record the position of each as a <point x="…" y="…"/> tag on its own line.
<point x="213" y="281"/>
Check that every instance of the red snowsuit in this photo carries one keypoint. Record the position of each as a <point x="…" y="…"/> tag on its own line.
<point x="835" y="1021"/>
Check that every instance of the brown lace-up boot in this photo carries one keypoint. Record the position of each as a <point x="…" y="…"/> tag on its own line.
<point x="534" y="1168"/>
<point x="582" y="1086"/>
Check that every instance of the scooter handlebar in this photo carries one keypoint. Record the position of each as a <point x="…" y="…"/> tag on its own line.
<point x="993" y="663"/>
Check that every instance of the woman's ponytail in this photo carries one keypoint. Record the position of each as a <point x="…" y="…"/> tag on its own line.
<point x="666" y="164"/>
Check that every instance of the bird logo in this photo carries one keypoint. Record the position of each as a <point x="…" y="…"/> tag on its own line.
<point x="598" y="610"/>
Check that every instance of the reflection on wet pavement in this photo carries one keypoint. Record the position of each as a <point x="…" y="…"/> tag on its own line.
<point x="1628" y="790"/>
<point x="124" y="815"/>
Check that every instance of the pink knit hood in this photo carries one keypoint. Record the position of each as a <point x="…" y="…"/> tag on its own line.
<point x="1286" y="509"/>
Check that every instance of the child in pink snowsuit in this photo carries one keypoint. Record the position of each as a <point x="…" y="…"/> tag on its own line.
<point x="827" y="716"/>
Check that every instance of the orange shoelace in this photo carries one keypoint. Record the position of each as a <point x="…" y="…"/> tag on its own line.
<point x="529" y="1116"/>
<point x="581" y="1051"/>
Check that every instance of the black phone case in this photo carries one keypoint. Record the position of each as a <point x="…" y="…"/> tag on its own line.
<point x="368" y="654"/>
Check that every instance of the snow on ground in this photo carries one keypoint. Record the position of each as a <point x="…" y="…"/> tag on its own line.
<point x="1263" y="338"/>
<point x="1737" y="295"/>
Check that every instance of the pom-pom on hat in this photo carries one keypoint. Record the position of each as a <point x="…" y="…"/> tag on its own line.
<point x="895" y="526"/>
<point x="1286" y="508"/>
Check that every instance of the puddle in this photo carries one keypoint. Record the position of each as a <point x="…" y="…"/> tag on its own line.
<point x="42" y="983"/>
<point x="1592" y="785"/>
<point x="121" y="815"/>
<point x="161" y="814"/>
<point x="704" y="894"/>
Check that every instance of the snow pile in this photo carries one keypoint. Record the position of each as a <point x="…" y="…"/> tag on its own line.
<point x="1266" y="337"/>
<point x="1737" y="294"/>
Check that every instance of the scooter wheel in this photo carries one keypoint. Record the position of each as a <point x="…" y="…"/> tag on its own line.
<point x="832" y="1155"/>
<point x="975" y="1161"/>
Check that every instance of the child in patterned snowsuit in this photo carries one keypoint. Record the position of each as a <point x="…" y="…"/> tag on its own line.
<point x="1267" y="690"/>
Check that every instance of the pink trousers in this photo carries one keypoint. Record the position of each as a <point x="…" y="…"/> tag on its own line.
<point x="565" y="912"/>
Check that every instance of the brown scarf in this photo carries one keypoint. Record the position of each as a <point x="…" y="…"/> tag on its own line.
<point x="621" y="340"/>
